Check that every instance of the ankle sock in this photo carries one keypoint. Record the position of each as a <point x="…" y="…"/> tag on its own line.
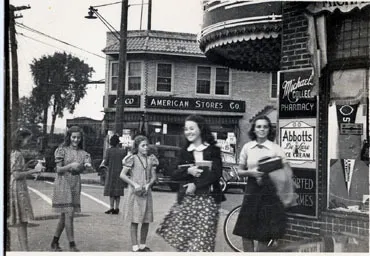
<point x="72" y="244"/>
<point x="142" y="246"/>
<point x="135" y="247"/>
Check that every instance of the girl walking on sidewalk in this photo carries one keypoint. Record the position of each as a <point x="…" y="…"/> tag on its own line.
<point x="20" y="208"/>
<point x="71" y="160"/>
<point x="138" y="203"/>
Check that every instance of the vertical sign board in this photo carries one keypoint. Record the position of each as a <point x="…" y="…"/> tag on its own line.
<point x="297" y="134"/>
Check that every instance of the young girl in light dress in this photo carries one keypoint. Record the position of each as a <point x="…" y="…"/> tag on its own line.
<point x="139" y="173"/>
<point x="20" y="208"/>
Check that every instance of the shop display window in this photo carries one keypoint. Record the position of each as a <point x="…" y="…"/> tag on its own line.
<point x="348" y="136"/>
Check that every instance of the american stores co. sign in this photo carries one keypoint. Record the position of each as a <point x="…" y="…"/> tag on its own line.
<point x="195" y="104"/>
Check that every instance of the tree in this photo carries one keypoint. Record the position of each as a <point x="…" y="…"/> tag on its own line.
<point x="61" y="81"/>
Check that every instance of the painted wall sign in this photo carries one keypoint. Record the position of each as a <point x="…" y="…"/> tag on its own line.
<point x="295" y="99"/>
<point x="195" y="104"/>
<point x="307" y="190"/>
<point x="331" y="6"/>
<point x="130" y="101"/>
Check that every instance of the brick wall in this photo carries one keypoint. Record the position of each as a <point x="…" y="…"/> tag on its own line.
<point x="294" y="43"/>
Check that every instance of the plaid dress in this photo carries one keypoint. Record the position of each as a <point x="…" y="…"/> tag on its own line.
<point x="19" y="198"/>
<point x="67" y="186"/>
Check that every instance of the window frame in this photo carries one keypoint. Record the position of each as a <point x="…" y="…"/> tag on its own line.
<point x="196" y="80"/>
<point x="111" y="76"/>
<point x="213" y="82"/>
<point x="141" y="75"/>
<point x="271" y="85"/>
<point x="172" y="77"/>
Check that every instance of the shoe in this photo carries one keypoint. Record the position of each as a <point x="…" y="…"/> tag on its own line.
<point x="115" y="211"/>
<point x="73" y="249"/>
<point x="55" y="247"/>
<point x="146" y="249"/>
<point x="110" y="211"/>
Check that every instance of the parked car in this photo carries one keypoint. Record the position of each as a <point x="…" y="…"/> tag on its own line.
<point x="230" y="177"/>
<point x="167" y="157"/>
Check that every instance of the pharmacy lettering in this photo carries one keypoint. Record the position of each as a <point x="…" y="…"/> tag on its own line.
<point x="295" y="99"/>
<point x="297" y="140"/>
<point x="195" y="104"/>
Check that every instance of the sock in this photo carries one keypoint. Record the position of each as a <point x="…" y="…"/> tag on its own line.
<point x="142" y="246"/>
<point x="72" y="244"/>
<point x="135" y="247"/>
<point x="55" y="240"/>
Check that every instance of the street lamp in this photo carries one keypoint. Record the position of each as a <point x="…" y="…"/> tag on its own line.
<point x="121" y="60"/>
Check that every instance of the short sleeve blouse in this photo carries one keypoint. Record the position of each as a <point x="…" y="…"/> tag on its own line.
<point x="252" y="152"/>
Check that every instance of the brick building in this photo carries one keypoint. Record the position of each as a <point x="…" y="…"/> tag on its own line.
<point x="168" y="77"/>
<point x="321" y="51"/>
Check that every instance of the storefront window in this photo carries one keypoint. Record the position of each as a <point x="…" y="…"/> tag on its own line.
<point x="164" y="77"/>
<point x="222" y="81"/>
<point x="134" y="76"/>
<point x="114" y="76"/>
<point x="349" y="37"/>
<point x="348" y="135"/>
<point x="204" y="80"/>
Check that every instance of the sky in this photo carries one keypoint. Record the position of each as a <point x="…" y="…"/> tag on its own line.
<point x="64" y="20"/>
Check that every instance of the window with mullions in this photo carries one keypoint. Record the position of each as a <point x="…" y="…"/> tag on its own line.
<point x="204" y="80"/>
<point x="273" y="91"/>
<point x="134" y="76"/>
<point x="114" y="76"/>
<point x="349" y="37"/>
<point x="222" y="81"/>
<point x="164" y="77"/>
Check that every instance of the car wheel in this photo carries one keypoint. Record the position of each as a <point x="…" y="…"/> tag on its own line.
<point x="173" y="187"/>
<point x="223" y="184"/>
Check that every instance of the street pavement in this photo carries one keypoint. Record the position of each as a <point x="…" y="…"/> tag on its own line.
<point x="96" y="231"/>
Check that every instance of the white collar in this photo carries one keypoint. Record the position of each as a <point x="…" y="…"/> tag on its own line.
<point x="267" y="144"/>
<point x="201" y="147"/>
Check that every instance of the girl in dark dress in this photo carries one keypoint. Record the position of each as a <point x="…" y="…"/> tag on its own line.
<point x="191" y="224"/>
<point x="262" y="216"/>
<point x="114" y="186"/>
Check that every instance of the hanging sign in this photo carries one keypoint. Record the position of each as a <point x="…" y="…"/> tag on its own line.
<point x="351" y="129"/>
<point x="346" y="113"/>
<point x="295" y="94"/>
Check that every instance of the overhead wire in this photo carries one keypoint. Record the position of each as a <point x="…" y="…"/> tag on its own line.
<point x="56" y="39"/>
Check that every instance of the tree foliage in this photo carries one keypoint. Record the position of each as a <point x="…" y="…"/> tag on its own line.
<point x="61" y="80"/>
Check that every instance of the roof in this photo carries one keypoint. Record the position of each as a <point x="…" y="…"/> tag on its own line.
<point x="154" y="41"/>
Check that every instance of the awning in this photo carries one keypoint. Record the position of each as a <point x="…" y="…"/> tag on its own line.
<point x="344" y="6"/>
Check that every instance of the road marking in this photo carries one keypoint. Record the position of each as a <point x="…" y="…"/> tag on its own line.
<point x="43" y="196"/>
<point x="96" y="200"/>
<point x="84" y="185"/>
<point x="89" y="196"/>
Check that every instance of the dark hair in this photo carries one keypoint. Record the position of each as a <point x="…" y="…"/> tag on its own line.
<point x="138" y="139"/>
<point x="18" y="136"/>
<point x="205" y="131"/>
<point x="270" y="136"/>
<point x="67" y="138"/>
<point x="114" y="140"/>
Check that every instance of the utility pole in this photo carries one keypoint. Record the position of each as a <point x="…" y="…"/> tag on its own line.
<point x="149" y="15"/>
<point x="121" y="69"/>
<point x="14" y="58"/>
